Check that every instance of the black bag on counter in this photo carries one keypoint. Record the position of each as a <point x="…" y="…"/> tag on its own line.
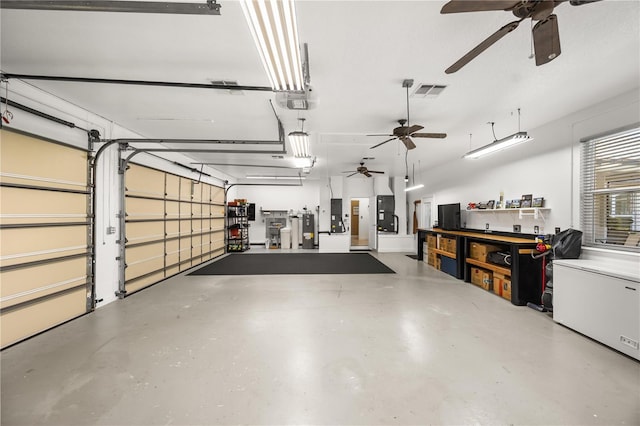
<point x="567" y="244"/>
<point x="499" y="258"/>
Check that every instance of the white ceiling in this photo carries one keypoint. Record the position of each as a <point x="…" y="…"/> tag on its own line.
<point x="359" y="51"/>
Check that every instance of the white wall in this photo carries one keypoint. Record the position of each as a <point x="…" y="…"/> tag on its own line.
<point x="549" y="167"/>
<point x="290" y="198"/>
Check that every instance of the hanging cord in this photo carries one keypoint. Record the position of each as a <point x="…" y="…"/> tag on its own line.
<point x="406" y="163"/>
<point x="470" y="134"/>
<point x="7" y="115"/>
<point x="408" y="121"/>
<point x="493" y="130"/>
<point x="518" y="120"/>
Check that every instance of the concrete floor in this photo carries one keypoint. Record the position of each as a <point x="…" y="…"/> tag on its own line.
<point x="417" y="347"/>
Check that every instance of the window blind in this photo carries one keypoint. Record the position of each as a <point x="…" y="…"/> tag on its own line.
<point x="610" y="190"/>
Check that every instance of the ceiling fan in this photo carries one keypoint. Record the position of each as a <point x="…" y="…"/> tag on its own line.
<point x="405" y="133"/>
<point x="362" y="170"/>
<point x="546" y="38"/>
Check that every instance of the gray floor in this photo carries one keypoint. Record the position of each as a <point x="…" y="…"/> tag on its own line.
<point x="417" y="347"/>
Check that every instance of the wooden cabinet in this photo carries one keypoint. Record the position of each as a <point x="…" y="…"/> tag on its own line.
<point x="523" y="277"/>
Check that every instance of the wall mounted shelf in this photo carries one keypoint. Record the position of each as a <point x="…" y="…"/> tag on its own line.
<point x="535" y="212"/>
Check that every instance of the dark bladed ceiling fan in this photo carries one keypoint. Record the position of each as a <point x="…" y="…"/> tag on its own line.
<point x="546" y="38"/>
<point x="362" y="169"/>
<point x="405" y="131"/>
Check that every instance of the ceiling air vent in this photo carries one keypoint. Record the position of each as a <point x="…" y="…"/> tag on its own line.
<point x="229" y="84"/>
<point x="428" y="91"/>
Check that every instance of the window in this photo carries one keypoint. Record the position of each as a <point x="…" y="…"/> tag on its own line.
<point x="610" y="186"/>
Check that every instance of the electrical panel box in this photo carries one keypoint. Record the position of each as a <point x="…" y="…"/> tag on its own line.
<point x="337" y="225"/>
<point x="385" y="213"/>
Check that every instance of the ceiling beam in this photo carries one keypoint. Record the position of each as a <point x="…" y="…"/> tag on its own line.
<point x="210" y="7"/>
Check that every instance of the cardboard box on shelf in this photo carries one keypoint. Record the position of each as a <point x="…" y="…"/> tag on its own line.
<point x="448" y="244"/>
<point x="479" y="251"/>
<point x="431" y="259"/>
<point x="481" y="278"/>
<point x="503" y="284"/>
<point x="438" y="263"/>
<point x="498" y="280"/>
<point x="432" y="241"/>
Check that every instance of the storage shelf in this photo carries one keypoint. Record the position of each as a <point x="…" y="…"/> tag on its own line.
<point x="536" y="212"/>
<point x="443" y="253"/>
<point x="490" y="266"/>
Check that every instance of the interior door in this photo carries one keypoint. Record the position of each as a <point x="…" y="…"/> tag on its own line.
<point x="355" y="221"/>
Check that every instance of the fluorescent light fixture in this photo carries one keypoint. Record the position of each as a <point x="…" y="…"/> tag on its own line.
<point x="262" y="177"/>
<point x="411" y="188"/>
<point x="499" y="145"/>
<point x="302" y="162"/>
<point x="299" y="144"/>
<point x="275" y="32"/>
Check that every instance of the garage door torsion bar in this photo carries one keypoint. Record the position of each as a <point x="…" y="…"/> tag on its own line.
<point x="139" y="82"/>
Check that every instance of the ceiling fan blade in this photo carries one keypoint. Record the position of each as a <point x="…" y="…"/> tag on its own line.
<point x="546" y="40"/>
<point x="354" y="173"/>
<point x="483" y="46"/>
<point x="375" y="171"/>
<point x="381" y="143"/>
<point x="408" y="142"/>
<point x="415" y="128"/>
<point x="367" y="174"/>
<point x="581" y="2"/>
<point x="381" y="134"/>
<point x="429" y="135"/>
<point x="459" y="6"/>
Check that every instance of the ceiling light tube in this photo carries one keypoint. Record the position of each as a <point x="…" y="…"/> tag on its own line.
<point x="299" y="144"/>
<point x="274" y="29"/>
<point x="499" y="145"/>
<point x="411" y="188"/>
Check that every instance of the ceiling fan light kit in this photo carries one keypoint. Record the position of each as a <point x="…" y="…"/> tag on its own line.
<point x="274" y="29"/>
<point x="499" y="145"/>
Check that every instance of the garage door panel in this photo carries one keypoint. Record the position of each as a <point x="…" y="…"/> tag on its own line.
<point x="19" y="245"/>
<point x="32" y="319"/>
<point x="15" y="281"/>
<point x="217" y="195"/>
<point x="141" y="283"/>
<point x="21" y="206"/>
<point x="185" y="212"/>
<point x="172" y="208"/>
<point x="145" y="181"/>
<point x="138" y="232"/>
<point x="28" y="160"/>
<point x="141" y="208"/>
<point x="144" y="266"/>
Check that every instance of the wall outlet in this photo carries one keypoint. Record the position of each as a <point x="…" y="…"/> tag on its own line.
<point x="516" y="228"/>
<point x="629" y="342"/>
<point x="486" y="226"/>
<point x="536" y="229"/>
<point x="557" y="230"/>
